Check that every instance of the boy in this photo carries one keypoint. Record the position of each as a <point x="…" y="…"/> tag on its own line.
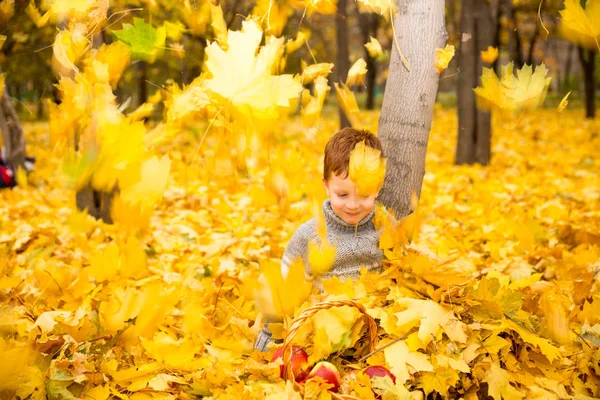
<point x="348" y="218"/>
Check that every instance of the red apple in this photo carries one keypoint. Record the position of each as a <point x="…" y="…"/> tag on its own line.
<point x="328" y="372"/>
<point x="347" y="379"/>
<point x="378" y="370"/>
<point x="299" y="362"/>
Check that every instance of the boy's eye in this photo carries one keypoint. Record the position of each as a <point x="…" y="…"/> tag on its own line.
<point x="341" y="194"/>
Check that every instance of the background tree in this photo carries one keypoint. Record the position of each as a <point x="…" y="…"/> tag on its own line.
<point x="342" y="60"/>
<point x="474" y="125"/>
<point x="587" y="58"/>
<point x="408" y="100"/>
<point x="369" y="24"/>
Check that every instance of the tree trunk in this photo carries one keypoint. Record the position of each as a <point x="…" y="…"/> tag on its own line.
<point x="474" y="125"/>
<point x="587" y="59"/>
<point x="568" y="62"/>
<point x="408" y="100"/>
<point x="497" y="41"/>
<point x="451" y="20"/>
<point x="369" y="22"/>
<point x="530" y="54"/>
<point x="142" y="85"/>
<point x="342" y="64"/>
<point x="13" y="138"/>
<point x="515" y="47"/>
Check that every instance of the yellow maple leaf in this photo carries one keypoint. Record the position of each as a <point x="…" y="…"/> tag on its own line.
<point x="115" y="57"/>
<point x="321" y="257"/>
<point x="579" y="25"/>
<point x="274" y="15"/>
<point x="333" y="330"/>
<point x="525" y="91"/>
<point x="294" y="44"/>
<point x="133" y="258"/>
<point x="98" y="392"/>
<point x="443" y="57"/>
<point x="490" y="55"/>
<point x="312" y="72"/>
<point x="217" y="21"/>
<point x="399" y="357"/>
<point x="563" y="103"/>
<point x="280" y="296"/>
<point x="311" y="111"/>
<point x="169" y="350"/>
<point x="104" y="265"/>
<point x="381" y="7"/>
<point x="366" y="169"/>
<point x="38" y="19"/>
<point x="244" y="79"/>
<point x="148" y="190"/>
<point x="557" y="321"/>
<point x="374" y="47"/>
<point x="68" y="48"/>
<point x="356" y="74"/>
<point x="347" y="102"/>
<point x="499" y="380"/>
<point x="321" y="6"/>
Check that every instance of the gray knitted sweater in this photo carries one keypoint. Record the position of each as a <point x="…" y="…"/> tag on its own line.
<point x="356" y="246"/>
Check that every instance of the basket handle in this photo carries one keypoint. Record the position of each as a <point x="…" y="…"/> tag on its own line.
<point x="309" y="312"/>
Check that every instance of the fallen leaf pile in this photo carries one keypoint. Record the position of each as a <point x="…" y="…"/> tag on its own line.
<point x="489" y="288"/>
<point x="496" y="295"/>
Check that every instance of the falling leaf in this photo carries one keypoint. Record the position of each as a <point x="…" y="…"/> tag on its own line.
<point x="252" y="89"/>
<point x="381" y="7"/>
<point x="366" y="169"/>
<point x="347" y="102"/>
<point x="283" y="295"/>
<point x="563" y="103"/>
<point x="374" y="47"/>
<point x="526" y="91"/>
<point x="579" y="25"/>
<point x="443" y="57"/>
<point x="312" y="109"/>
<point x="321" y="257"/>
<point x="490" y="55"/>
<point x="294" y="44"/>
<point x="312" y="72"/>
<point x="356" y="74"/>
<point x="218" y="24"/>
<point x="143" y="39"/>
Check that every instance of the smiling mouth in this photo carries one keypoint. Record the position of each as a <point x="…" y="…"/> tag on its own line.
<point x="353" y="214"/>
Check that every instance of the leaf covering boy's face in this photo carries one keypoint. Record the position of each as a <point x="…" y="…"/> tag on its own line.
<point x="345" y="200"/>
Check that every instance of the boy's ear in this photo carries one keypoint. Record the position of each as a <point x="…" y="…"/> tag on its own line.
<point x="326" y="186"/>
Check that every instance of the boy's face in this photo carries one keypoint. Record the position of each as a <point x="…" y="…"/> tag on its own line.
<point x="346" y="202"/>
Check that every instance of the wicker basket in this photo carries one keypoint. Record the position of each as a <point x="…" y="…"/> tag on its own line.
<point x="306" y="314"/>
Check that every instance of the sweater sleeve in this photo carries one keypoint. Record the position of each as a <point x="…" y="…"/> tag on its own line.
<point x="296" y="248"/>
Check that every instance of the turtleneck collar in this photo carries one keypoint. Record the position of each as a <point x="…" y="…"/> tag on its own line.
<point x="335" y="222"/>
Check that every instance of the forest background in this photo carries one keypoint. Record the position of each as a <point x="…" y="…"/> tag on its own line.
<point x="198" y="184"/>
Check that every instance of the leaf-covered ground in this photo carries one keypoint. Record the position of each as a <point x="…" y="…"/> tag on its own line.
<point x="496" y="296"/>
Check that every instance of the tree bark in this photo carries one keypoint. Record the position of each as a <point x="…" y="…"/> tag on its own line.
<point x="342" y="64"/>
<point x="369" y="22"/>
<point x="474" y="125"/>
<point x="408" y="101"/>
<point x="142" y="85"/>
<point x="497" y="41"/>
<point x="588" y="61"/>
<point x="515" y="47"/>
<point x="568" y="63"/>
<point x="530" y="54"/>
<point x="12" y="132"/>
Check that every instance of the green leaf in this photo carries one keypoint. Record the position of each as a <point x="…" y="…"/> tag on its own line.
<point x="144" y="40"/>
